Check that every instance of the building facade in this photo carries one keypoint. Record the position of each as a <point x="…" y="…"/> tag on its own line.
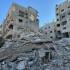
<point x="20" y="20"/>
<point x="61" y="27"/>
<point x="63" y="19"/>
<point x="49" y="30"/>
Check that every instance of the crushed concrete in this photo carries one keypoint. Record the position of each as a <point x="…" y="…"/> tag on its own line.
<point x="27" y="55"/>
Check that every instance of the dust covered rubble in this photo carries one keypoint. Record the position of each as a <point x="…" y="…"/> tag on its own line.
<point x="37" y="55"/>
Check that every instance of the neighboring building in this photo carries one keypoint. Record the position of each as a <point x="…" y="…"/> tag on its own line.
<point x="49" y="30"/>
<point x="63" y="19"/>
<point x="20" y="20"/>
<point x="60" y="28"/>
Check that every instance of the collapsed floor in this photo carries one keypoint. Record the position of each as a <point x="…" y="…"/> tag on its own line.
<point x="25" y="55"/>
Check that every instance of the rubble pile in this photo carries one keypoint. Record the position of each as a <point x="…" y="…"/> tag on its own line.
<point x="29" y="60"/>
<point x="37" y="55"/>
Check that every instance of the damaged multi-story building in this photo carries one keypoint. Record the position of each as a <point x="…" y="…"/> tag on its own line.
<point x="20" y="20"/>
<point x="48" y="30"/>
<point x="63" y="19"/>
<point x="61" y="27"/>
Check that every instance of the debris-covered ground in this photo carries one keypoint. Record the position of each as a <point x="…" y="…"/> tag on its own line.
<point x="40" y="55"/>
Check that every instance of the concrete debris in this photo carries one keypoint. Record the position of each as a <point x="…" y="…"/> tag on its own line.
<point x="25" y="55"/>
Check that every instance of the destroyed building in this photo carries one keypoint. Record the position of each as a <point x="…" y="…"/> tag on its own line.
<point x="25" y="48"/>
<point x="20" y="20"/>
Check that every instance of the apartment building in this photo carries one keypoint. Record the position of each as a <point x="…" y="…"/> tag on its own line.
<point x="49" y="30"/>
<point x="63" y="19"/>
<point x="61" y="27"/>
<point x="20" y="20"/>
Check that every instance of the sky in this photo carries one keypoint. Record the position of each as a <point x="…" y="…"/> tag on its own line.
<point x="45" y="8"/>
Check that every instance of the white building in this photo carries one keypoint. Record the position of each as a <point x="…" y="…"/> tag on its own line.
<point x="20" y="20"/>
<point x="49" y="30"/>
<point x="60" y="28"/>
<point x="63" y="19"/>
